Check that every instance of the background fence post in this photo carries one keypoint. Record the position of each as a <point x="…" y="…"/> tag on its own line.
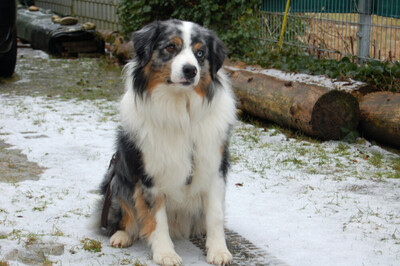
<point x="364" y="31"/>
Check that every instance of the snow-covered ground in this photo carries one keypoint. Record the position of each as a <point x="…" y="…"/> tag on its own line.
<point x="305" y="202"/>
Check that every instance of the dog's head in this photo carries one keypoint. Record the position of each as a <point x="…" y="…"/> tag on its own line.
<point x="178" y="54"/>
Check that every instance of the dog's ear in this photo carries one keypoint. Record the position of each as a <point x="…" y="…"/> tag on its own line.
<point x="144" y="41"/>
<point x="216" y="53"/>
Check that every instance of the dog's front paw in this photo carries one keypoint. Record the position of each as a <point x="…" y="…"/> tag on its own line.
<point x="167" y="258"/>
<point x="120" y="239"/>
<point x="220" y="256"/>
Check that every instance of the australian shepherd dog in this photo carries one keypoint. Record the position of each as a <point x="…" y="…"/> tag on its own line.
<point x="168" y="177"/>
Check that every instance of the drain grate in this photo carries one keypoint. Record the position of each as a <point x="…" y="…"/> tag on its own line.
<point x="243" y="251"/>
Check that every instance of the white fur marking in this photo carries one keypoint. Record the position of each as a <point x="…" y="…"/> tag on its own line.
<point x="217" y="252"/>
<point x="187" y="31"/>
<point x="161" y="243"/>
<point x="120" y="239"/>
<point x="185" y="57"/>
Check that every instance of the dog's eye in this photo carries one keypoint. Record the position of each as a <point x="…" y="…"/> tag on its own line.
<point x="171" y="48"/>
<point x="200" y="53"/>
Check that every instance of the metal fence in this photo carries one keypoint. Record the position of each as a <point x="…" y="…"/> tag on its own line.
<point x="334" y="28"/>
<point x="101" y="12"/>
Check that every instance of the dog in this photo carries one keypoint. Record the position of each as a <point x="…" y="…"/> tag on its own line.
<point x="167" y="179"/>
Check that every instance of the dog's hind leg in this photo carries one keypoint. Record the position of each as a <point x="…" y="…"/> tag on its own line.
<point x="128" y="228"/>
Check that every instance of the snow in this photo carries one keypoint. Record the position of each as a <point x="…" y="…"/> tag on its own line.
<point x="319" y="80"/>
<point x="305" y="202"/>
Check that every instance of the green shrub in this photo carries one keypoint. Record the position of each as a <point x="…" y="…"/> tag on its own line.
<point x="234" y="21"/>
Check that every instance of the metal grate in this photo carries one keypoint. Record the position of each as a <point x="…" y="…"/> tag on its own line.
<point x="334" y="28"/>
<point x="243" y="251"/>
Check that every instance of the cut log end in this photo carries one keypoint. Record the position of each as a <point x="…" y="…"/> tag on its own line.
<point x="380" y="117"/>
<point x="334" y="115"/>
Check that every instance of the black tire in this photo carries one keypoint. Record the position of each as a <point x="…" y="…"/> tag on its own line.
<point x="9" y="59"/>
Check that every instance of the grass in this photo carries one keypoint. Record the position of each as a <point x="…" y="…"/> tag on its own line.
<point x="336" y="160"/>
<point x="342" y="149"/>
<point x="376" y="159"/>
<point x="127" y="261"/>
<point x="57" y="232"/>
<point x="396" y="168"/>
<point x="31" y="238"/>
<point x="91" y="245"/>
<point x="41" y="207"/>
<point x="81" y="79"/>
<point x="15" y="235"/>
<point x="26" y="238"/>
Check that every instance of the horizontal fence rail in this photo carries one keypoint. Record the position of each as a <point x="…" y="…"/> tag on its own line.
<point x="103" y="13"/>
<point x="335" y="28"/>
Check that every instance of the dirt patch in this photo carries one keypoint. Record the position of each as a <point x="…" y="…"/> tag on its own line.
<point x="73" y="78"/>
<point x="14" y="166"/>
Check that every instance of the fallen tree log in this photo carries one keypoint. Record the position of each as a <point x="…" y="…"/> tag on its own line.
<point x="315" y="110"/>
<point x="380" y="117"/>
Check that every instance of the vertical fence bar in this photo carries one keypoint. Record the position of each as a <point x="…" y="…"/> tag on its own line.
<point x="364" y="33"/>
<point x="396" y="21"/>
<point x="391" y="34"/>
<point x="284" y="23"/>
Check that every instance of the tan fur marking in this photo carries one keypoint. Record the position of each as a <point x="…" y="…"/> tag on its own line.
<point x="177" y="41"/>
<point x="147" y="67"/>
<point x="128" y="221"/>
<point x="204" y="83"/>
<point x="145" y="215"/>
<point x="156" y="77"/>
<point x="222" y="149"/>
<point x="197" y="46"/>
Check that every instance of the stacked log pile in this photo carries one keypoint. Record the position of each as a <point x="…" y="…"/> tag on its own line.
<point x="319" y="110"/>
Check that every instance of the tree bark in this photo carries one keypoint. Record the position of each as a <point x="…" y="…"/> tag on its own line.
<point x="317" y="111"/>
<point x="380" y="117"/>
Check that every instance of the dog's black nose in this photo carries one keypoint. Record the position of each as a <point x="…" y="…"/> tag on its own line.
<point x="189" y="71"/>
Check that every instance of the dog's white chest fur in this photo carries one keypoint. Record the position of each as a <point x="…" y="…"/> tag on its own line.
<point x="180" y="135"/>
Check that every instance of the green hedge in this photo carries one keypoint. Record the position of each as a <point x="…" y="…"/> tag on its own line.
<point x="233" y="21"/>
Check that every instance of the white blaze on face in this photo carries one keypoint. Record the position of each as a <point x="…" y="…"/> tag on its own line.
<point x="184" y="58"/>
